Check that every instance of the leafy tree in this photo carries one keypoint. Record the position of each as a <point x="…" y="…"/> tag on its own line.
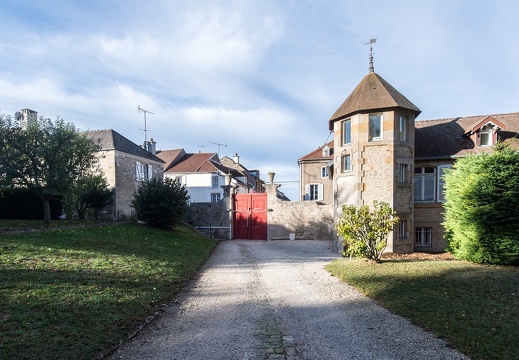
<point x="482" y="207"/>
<point x="161" y="203"/>
<point x="90" y="191"/>
<point x="365" y="231"/>
<point x="45" y="157"/>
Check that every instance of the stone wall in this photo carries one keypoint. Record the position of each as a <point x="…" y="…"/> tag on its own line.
<point x="211" y="218"/>
<point x="308" y="220"/>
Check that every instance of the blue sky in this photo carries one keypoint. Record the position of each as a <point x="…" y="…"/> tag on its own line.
<point x="260" y="76"/>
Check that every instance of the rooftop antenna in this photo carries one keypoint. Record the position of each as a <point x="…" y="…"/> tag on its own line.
<point x="145" y="128"/>
<point x="371" y="42"/>
<point x="218" y="153"/>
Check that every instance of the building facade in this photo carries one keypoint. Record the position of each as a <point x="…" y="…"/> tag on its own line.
<point x="125" y="166"/>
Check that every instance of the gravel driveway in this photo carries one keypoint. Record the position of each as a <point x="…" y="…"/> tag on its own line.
<point x="273" y="300"/>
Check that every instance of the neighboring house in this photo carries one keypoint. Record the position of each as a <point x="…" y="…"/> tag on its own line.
<point x="125" y="166"/>
<point x="315" y="175"/>
<point x="437" y="146"/>
<point x="381" y="153"/>
<point x="250" y="178"/>
<point x="203" y="174"/>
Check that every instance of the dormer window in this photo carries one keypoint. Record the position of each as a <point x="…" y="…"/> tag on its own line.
<point x="326" y="151"/>
<point x="485" y="135"/>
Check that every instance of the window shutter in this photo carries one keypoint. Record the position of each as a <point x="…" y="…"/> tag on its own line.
<point x="150" y="172"/>
<point x="320" y="192"/>
<point x="307" y="192"/>
<point x="137" y="170"/>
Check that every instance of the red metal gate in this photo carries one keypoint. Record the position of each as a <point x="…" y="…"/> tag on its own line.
<point x="250" y="216"/>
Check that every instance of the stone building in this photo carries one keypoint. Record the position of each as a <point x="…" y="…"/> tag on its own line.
<point x="316" y="180"/>
<point x="381" y="152"/>
<point x="125" y="166"/>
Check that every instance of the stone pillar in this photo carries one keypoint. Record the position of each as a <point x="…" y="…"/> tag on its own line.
<point x="228" y="200"/>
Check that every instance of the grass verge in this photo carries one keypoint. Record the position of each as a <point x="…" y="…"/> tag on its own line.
<point x="74" y="293"/>
<point x="474" y="308"/>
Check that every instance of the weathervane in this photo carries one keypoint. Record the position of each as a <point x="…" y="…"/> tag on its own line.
<point x="371" y="42"/>
<point x="145" y="128"/>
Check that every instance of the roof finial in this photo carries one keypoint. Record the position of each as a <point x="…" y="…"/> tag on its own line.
<point x="371" y="42"/>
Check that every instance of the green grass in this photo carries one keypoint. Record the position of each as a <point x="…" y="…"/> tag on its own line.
<point x="74" y="293"/>
<point x="474" y="308"/>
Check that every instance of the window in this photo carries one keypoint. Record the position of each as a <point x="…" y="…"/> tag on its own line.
<point x="346" y="132"/>
<point x="424" y="183"/>
<point x="402" y="229"/>
<point x="215" y="182"/>
<point x="324" y="172"/>
<point x="403" y="173"/>
<point x="215" y="197"/>
<point x="375" y="127"/>
<point x="485" y="135"/>
<point x="314" y="192"/>
<point x="403" y="128"/>
<point x="423" y="236"/>
<point x="346" y="163"/>
<point x="326" y="151"/>
<point x="441" y="182"/>
<point x="143" y="171"/>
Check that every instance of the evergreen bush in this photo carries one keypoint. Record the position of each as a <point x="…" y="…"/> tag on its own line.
<point x="482" y="207"/>
<point x="161" y="203"/>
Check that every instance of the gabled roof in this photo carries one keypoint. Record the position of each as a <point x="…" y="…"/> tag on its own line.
<point x="486" y="120"/>
<point x="372" y="93"/>
<point x="447" y="138"/>
<point x="170" y="157"/>
<point x="317" y="154"/>
<point x="112" y="140"/>
<point x="199" y="162"/>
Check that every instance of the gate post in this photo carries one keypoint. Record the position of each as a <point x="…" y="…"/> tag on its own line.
<point x="228" y="200"/>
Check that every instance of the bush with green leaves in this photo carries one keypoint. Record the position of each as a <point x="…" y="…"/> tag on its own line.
<point x="365" y="230"/>
<point x="482" y="207"/>
<point x="161" y="203"/>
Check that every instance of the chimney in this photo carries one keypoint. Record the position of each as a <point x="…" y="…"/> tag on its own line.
<point x="28" y="117"/>
<point x="236" y="158"/>
<point x="152" y="146"/>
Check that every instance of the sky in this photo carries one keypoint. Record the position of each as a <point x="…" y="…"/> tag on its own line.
<point x="259" y="77"/>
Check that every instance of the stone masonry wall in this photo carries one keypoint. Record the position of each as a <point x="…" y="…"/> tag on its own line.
<point x="308" y="220"/>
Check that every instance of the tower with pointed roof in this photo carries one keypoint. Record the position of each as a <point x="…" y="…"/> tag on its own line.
<point x="374" y="152"/>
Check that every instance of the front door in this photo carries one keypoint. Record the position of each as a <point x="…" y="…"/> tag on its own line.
<point x="250" y="216"/>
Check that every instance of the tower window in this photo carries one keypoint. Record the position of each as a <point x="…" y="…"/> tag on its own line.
<point x="375" y="127"/>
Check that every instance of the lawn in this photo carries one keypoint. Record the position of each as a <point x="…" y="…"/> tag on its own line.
<point x="75" y="292"/>
<point x="474" y="308"/>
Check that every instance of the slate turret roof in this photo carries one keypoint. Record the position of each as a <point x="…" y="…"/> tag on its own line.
<point x="372" y="93"/>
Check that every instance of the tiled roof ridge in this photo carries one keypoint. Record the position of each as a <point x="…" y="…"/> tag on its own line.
<point x="468" y="117"/>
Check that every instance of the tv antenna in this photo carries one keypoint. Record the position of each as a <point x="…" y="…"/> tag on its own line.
<point x="218" y="144"/>
<point x="370" y="43"/>
<point x="145" y="128"/>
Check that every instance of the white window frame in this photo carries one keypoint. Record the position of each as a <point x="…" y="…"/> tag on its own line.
<point x="214" y="182"/>
<point x="441" y="181"/>
<point x="371" y="130"/>
<point x="324" y="172"/>
<point x="422" y="177"/>
<point x="346" y="163"/>
<point x="423" y="236"/>
<point x="346" y="132"/>
<point x="215" y="197"/>
<point x="326" y="151"/>
<point x="487" y="131"/>
<point x="314" y="192"/>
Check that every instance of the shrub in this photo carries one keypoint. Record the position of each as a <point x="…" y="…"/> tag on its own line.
<point x="365" y="231"/>
<point x="482" y="207"/>
<point x="161" y="203"/>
